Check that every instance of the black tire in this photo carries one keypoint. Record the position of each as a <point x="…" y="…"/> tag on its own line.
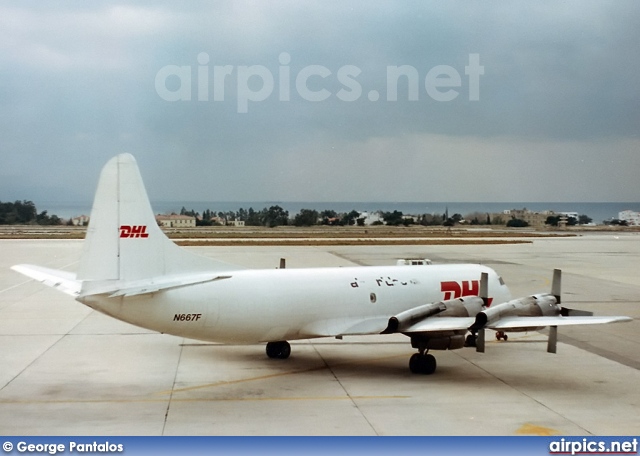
<point x="429" y="364"/>
<point x="505" y="337"/>
<point x="415" y="363"/>
<point x="278" y="350"/>
<point x="470" y="340"/>
<point x="422" y="364"/>
<point x="285" y="350"/>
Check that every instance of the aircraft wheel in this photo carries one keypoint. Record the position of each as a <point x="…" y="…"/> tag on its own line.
<point x="505" y="337"/>
<point x="470" y="340"/>
<point x="422" y="364"/>
<point x="429" y="364"/>
<point x="278" y="350"/>
<point x="415" y="363"/>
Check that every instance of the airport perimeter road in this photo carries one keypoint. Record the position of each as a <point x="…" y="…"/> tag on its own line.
<point x="66" y="369"/>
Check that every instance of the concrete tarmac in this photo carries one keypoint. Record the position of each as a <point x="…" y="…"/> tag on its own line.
<point x="68" y="370"/>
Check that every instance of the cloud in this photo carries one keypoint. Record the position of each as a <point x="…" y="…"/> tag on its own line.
<point x="557" y="107"/>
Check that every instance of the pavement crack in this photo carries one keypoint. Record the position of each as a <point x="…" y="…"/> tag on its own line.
<point x="351" y="398"/>
<point x="175" y="378"/>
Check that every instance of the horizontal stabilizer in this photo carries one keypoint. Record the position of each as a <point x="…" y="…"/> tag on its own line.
<point x="149" y="286"/>
<point x="63" y="281"/>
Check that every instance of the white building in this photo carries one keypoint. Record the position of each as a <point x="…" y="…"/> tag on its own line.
<point x="176" y="221"/>
<point x="81" y="220"/>
<point x="631" y="217"/>
<point x="371" y="217"/>
<point x="574" y="215"/>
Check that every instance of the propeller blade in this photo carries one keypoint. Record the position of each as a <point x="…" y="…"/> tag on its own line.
<point x="556" y="285"/>
<point x="553" y="339"/>
<point x="480" y="341"/>
<point x="484" y="288"/>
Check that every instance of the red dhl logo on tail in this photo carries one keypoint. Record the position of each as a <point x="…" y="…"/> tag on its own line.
<point x="133" y="231"/>
<point x="454" y="290"/>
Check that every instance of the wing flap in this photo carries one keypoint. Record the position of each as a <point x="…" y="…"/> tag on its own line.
<point x="440" y="324"/>
<point x="63" y="281"/>
<point x="528" y="322"/>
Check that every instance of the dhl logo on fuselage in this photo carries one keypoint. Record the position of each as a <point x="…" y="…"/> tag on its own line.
<point x="454" y="290"/>
<point x="133" y="231"/>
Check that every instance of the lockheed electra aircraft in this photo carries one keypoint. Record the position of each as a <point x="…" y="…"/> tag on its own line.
<point x="131" y="271"/>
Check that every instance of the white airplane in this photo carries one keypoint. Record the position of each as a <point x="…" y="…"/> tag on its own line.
<point x="131" y="271"/>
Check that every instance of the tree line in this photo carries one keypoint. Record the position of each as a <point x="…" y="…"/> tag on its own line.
<point x="25" y="213"/>
<point x="276" y="216"/>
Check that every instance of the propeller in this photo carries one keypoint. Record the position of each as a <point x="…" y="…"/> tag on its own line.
<point x="484" y="294"/>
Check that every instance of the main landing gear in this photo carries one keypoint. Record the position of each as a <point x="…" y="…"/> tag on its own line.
<point x="278" y="350"/>
<point x="471" y="340"/>
<point x="501" y="335"/>
<point x="422" y="363"/>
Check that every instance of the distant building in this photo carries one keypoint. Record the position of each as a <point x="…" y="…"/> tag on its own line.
<point x="235" y="223"/>
<point x="371" y="217"/>
<point x="569" y="215"/>
<point x="534" y="219"/>
<point x="81" y="220"/>
<point x="176" y="221"/>
<point x="631" y="217"/>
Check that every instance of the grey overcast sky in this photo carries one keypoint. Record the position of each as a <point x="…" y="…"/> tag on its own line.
<point x="556" y="117"/>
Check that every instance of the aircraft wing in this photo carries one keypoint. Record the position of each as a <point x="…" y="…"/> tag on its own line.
<point x="434" y="324"/>
<point x="528" y="322"/>
<point x="440" y="324"/>
<point x="363" y="327"/>
<point x="377" y="325"/>
<point x="63" y="281"/>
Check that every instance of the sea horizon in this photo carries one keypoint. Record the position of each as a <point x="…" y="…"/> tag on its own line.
<point x="598" y="211"/>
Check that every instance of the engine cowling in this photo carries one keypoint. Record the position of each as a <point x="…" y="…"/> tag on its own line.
<point x="531" y="306"/>
<point x="452" y="342"/>
<point x="460" y="307"/>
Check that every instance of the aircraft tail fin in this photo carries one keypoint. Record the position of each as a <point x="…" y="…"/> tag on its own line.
<point x="124" y="241"/>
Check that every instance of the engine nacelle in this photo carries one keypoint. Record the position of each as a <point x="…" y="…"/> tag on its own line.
<point x="468" y="306"/>
<point x="452" y="342"/>
<point x="461" y="307"/>
<point x="531" y="306"/>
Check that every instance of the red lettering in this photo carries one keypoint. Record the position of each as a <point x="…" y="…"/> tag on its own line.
<point x="454" y="290"/>
<point x="451" y="290"/>
<point x="470" y="288"/>
<point x="135" y="231"/>
<point x="125" y="231"/>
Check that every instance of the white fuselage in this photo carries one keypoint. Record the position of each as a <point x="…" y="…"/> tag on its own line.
<point x="253" y="306"/>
